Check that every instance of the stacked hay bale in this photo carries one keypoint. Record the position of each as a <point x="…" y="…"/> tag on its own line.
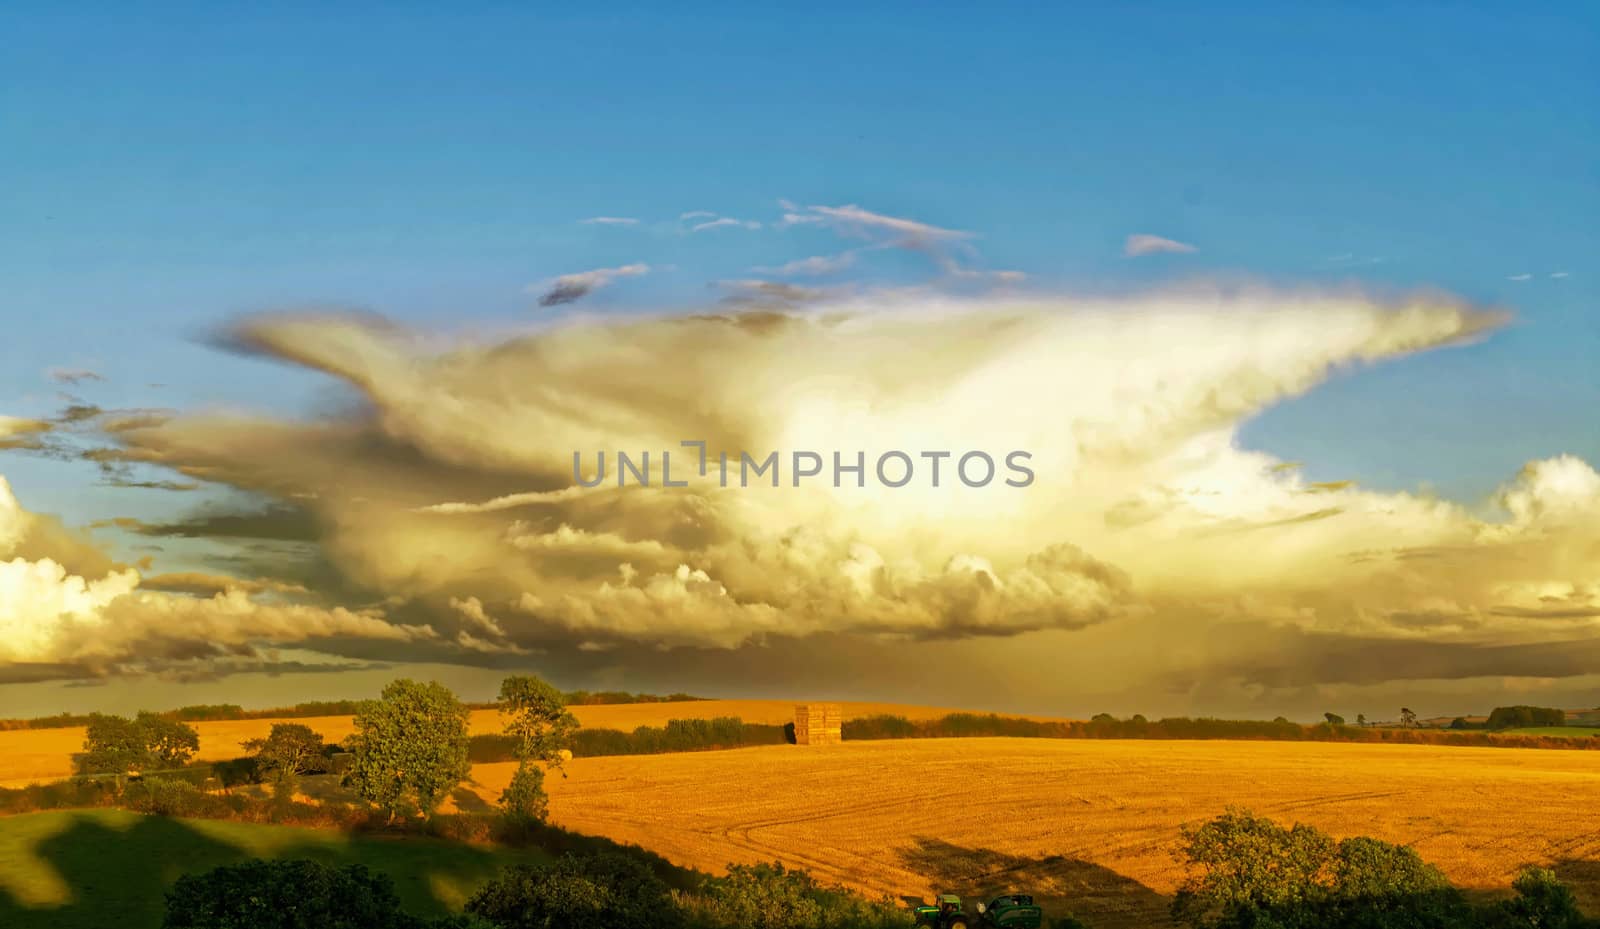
<point x="818" y="724"/>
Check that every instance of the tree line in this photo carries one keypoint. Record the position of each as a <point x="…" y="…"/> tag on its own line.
<point x="209" y="712"/>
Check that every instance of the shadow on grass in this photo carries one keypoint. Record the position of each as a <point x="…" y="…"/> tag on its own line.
<point x="1095" y="894"/>
<point x="112" y="867"/>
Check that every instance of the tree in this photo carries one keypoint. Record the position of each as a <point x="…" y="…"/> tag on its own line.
<point x="113" y="745"/>
<point x="539" y="719"/>
<point x="541" y="728"/>
<point x="1407" y="718"/>
<point x="169" y="742"/>
<point x="410" y="747"/>
<point x="1521" y="717"/>
<point x="1460" y="722"/>
<point x="289" y="751"/>
<point x="1246" y="863"/>
<point x="605" y="890"/>
<point x="1334" y="719"/>
<point x="118" y="745"/>
<point x="1361" y="719"/>
<point x="1254" y="874"/>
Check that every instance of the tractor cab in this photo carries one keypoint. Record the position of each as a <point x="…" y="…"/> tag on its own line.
<point x="944" y="913"/>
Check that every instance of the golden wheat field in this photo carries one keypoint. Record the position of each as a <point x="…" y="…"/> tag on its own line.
<point x="32" y="755"/>
<point x="1085" y="825"/>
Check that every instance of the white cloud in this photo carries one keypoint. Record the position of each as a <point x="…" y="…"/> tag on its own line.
<point x="724" y="222"/>
<point x="609" y="221"/>
<point x="1560" y="274"/>
<point x="813" y="266"/>
<point x="852" y="218"/>
<point x="570" y="287"/>
<point x="73" y="376"/>
<point x="1520" y="277"/>
<point x="1144" y="497"/>
<point x="1141" y="244"/>
<point x="49" y="614"/>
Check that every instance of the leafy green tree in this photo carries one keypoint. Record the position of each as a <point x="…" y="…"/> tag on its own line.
<point x="113" y="745"/>
<point x="289" y="751"/>
<point x="1407" y="718"/>
<point x="541" y="728"/>
<point x="170" y="743"/>
<point x="1255" y="874"/>
<point x="600" y="891"/>
<point x="410" y="747"/>
<point x="1361" y="719"/>
<point x="1249" y="863"/>
<point x="1334" y="719"/>
<point x="538" y="719"/>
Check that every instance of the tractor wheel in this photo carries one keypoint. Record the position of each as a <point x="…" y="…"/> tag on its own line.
<point x="959" y="924"/>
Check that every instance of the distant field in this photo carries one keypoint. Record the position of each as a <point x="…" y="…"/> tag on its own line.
<point x="95" y="868"/>
<point x="32" y="755"/>
<point x="1087" y="825"/>
<point x="1572" y="732"/>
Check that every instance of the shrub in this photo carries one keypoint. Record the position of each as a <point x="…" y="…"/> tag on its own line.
<point x="1256" y="873"/>
<point x="1542" y="902"/>
<point x="768" y="896"/>
<point x="165" y="796"/>
<point x="597" y="891"/>
<point x="295" y="894"/>
<point x="524" y="798"/>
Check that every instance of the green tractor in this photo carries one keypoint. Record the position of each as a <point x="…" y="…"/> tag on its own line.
<point x="1008" y="911"/>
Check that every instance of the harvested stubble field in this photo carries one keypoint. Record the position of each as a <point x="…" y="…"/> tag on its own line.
<point x="30" y="756"/>
<point x="1086" y="825"/>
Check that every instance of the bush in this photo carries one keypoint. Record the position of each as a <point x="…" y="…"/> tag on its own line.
<point x="767" y="896"/>
<point x="524" y="798"/>
<point x="1256" y="873"/>
<point x="1542" y="902"/>
<point x="597" y="891"/>
<point x="295" y="894"/>
<point x="58" y="795"/>
<point x="165" y="796"/>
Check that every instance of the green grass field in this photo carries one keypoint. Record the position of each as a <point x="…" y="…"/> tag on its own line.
<point x="88" y="869"/>
<point x="1573" y="732"/>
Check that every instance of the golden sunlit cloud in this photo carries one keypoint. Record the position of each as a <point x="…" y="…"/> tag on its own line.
<point x="453" y="497"/>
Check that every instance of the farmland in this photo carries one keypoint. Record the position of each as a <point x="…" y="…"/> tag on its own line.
<point x="1088" y="825"/>
<point x="32" y="755"/>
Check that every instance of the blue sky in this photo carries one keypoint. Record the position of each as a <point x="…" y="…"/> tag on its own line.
<point x="163" y="172"/>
